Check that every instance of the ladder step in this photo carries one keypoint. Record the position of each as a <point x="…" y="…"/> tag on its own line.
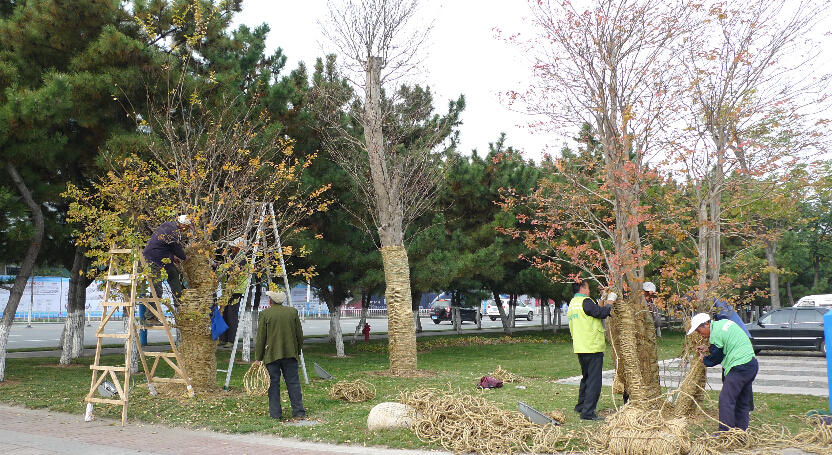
<point x="106" y="400"/>
<point x="112" y="335"/>
<point x="116" y="304"/>
<point x="159" y="354"/>
<point x="171" y="380"/>
<point x="107" y="368"/>
<point x="120" y="250"/>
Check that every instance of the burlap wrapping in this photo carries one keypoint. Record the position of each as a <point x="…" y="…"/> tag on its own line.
<point x="399" y="315"/>
<point x="692" y="389"/>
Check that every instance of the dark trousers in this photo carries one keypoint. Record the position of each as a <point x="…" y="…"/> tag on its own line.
<point x="289" y="368"/>
<point x="590" y="389"/>
<point x="735" y="397"/>
<point x="173" y="281"/>
<point x="231" y="315"/>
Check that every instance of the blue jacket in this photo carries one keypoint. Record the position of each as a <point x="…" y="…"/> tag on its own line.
<point x="726" y="312"/>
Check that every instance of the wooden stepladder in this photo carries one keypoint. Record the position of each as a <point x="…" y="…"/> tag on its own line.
<point x="134" y="279"/>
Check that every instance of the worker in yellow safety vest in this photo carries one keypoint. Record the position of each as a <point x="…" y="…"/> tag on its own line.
<point x="588" y="343"/>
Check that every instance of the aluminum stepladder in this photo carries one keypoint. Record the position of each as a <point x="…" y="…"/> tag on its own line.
<point x="152" y="304"/>
<point x="247" y="324"/>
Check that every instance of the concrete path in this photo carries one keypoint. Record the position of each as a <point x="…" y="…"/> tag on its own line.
<point x="799" y="373"/>
<point x="39" y="432"/>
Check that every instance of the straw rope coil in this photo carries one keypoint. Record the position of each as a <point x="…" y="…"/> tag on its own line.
<point x="470" y="424"/>
<point x="256" y="380"/>
<point x="502" y="375"/>
<point x="352" y="392"/>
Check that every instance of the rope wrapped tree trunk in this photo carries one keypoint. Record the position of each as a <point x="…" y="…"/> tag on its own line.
<point x="402" y="336"/>
<point x="198" y="350"/>
<point x="692" y="389"/>
<point x="635" y="357"/>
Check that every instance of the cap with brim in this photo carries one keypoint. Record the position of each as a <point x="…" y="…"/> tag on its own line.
<point x="697" y="320"/>
<point x="648" y="286"/>
<point x="183" y="219"/>
<point x="239" y="242"/>
<point x="276" y="297"/>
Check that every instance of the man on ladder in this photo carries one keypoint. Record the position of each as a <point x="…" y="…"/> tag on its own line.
<point x="164" y="250"/>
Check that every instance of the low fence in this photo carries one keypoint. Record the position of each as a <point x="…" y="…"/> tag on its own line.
<point x="95" y="315"/>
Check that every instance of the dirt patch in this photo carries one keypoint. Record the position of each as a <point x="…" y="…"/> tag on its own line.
<point x="9" y="382"/>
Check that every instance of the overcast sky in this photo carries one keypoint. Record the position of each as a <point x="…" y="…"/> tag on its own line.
<point x="465" y="57"/>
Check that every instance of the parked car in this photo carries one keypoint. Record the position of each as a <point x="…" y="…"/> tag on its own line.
<point x="520" y="311"/>
<point x="822" y="300"/>
<point x="795" y="328"/>
<point x="441" y="311"/>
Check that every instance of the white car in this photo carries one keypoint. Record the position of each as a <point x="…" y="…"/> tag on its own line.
<point x="520" y="311"/>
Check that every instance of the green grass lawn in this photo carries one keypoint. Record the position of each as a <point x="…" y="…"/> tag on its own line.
<point x="541" y="357"/>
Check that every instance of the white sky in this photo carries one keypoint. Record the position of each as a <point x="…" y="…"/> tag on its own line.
<point x="465" y="58"/>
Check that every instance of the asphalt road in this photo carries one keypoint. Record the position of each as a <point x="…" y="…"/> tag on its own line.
<point x="47" y="334"/>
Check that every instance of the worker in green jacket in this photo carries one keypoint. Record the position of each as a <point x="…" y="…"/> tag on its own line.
<point x="279" y="341"/>
<point x="588" y="342"/>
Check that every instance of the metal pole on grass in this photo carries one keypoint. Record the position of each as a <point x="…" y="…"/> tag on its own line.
<point x="827" y="330"/>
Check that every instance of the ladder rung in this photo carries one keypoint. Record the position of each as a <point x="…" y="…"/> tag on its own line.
<point x="116" y="304"/>
<point x="159" y="354"/>
<point x="107" y="368"/>
<point x="113" y="335"/>
<point x="176" y="380"/>
<point x="105" y="400"/>
<point x="120" y="250"/>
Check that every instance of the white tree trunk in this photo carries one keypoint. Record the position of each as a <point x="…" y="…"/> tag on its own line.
<point x="72" y="338"/>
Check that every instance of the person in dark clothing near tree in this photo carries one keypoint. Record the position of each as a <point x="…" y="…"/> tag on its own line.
<point x="588" y="342"/>
<point x="730" y="346"/>
<point x="164" y="250"/>
<point x="279" y="343"/>
<point x="237" y="288"/>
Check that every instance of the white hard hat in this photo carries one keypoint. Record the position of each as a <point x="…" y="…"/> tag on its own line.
<point x="239" y="242"/>
<point x="648" y="286"/>
<point x="183" y="219"/>
<point x="612" y="296"/>
<point x="697" y="320"/>
<point x="276" y="297"/>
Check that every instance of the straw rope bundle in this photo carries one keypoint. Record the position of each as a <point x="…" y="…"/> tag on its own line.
<point x="465" y="424"/>
<point x="352" y="392"/>
<point x="502" y="375"/>
<point x="634" y="431"/>
<point x="256" y="380"/>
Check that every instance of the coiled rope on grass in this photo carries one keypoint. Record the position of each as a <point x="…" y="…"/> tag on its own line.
<point x="256" y="380"/>
<point x="352" y="392"/>
<point x="469" y="424"/>
<point x="502" y="375"/>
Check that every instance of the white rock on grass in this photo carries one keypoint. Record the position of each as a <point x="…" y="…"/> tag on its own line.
<point x="389" y="415"/>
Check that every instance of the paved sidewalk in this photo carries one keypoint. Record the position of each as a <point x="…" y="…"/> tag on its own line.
<point x="40" y="432"/>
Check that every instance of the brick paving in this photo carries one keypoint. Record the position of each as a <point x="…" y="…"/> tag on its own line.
<point x="39" y="432"/>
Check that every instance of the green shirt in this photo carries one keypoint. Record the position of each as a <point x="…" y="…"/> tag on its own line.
<point x="733" y="341"/>
<point x="587" y="332"/>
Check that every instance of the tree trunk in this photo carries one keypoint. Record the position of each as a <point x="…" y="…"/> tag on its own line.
<point x="72" y="339"/>
<point x="497" y="301"/>
<point x="247" y="324"/>
<point x="789" y="292"/>
<point x="365" y="306"/>
<point x="773" y="276"/>
<point x="816" y="268"/>
<point x="416" y="299"/>
<point x="400" y="321"/>
<point x="26" y="266"/>
<point x="335" y="333"/>
<point x="198" y="349"/>
<point x="130" y="344"/>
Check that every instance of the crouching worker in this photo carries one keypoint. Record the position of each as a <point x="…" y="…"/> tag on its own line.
<point x="279" y="341"/>
<point x="730" y="346"/>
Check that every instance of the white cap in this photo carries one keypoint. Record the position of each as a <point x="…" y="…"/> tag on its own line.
<point x="612" y="296"/>
<point x="648" y="286"/>
<point x="183" y="219"/>
<point x="697" y="320"/>
<point x="239" y="242"/>
<point x="276" y="297"/>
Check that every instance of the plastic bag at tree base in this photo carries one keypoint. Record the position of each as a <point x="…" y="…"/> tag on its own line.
<point x="488" y="382"/>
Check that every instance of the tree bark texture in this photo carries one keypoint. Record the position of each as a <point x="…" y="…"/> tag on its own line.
<point x="72" y="339"/>
<point x="773" y="277"/>
<point x="692" y="389"/>
<point x="26" y="266"/>
<point x="400" y="320"/>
